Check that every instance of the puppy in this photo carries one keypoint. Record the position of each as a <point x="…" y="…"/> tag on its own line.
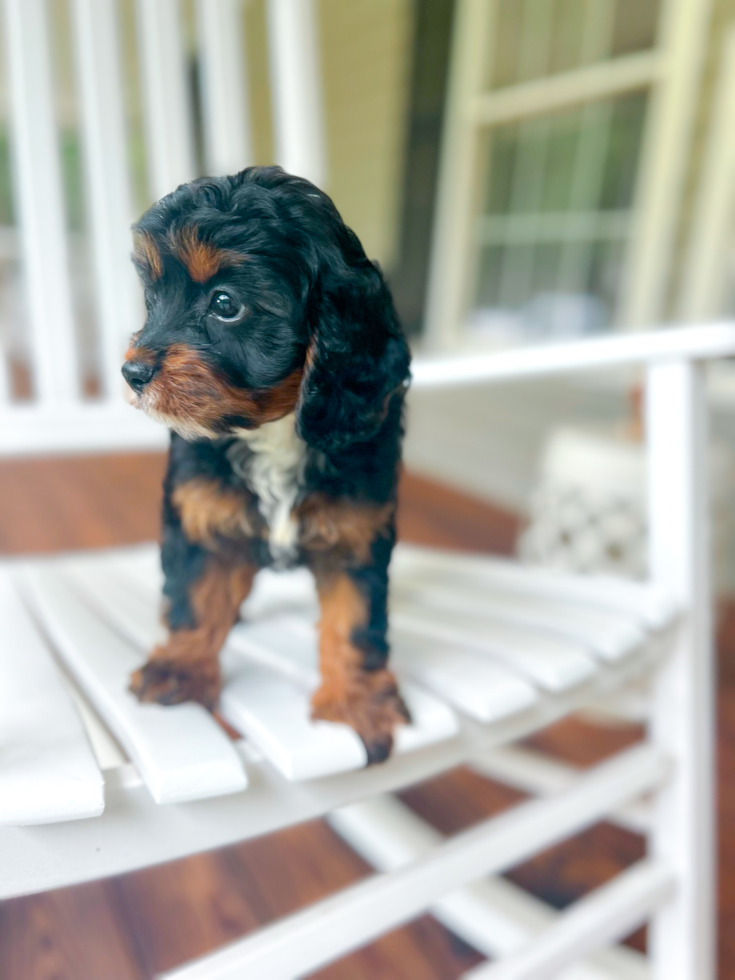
<point x="272" y="351"/>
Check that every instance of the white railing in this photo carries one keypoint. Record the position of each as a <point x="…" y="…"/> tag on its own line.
<point x="59" y="418"/>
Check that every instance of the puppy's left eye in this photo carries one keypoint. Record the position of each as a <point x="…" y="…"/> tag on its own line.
<point x="224" y="306"/>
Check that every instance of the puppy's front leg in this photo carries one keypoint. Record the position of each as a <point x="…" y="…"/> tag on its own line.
<point x="203" y="607"/>
<point x="357" y="688"/>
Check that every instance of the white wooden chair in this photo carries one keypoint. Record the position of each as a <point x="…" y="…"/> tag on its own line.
<point x="94" y="784"/>
<point x="487" y="651"/>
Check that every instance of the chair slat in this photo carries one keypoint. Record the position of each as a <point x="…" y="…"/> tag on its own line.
<point x="289" y="644"/>
<point x="608" y="635"/>
<point x="179" y="751"/>
<point x="269" y="668"/>
<point x="480" y="689"/>
<point x="360" y="913"/>
<point x="431" y="720"/>
<point x="47" y="769"/>
<point x="272" y="712"/>
<point x="284" y="644"/>
<point x="275" y="714"/>
<point x="39" y="197"/>
<point x="119" y="603"/>
<point x="493" y="915"/>
<point x="4" y="379"/>
<point x="651" y="604"/>
<point x="483" y="690"/>
<point x="225" y="108"/>
<point x="607" y="914"/>
<point x="552" y="663"/>
<point x="107" y="184"/>
<point x="454" y="668"/>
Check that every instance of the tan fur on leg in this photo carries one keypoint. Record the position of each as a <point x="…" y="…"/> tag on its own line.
<point x="186" y="667"/>
<point x="368" y="700"/>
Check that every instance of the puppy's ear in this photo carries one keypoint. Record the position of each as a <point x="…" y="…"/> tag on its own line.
<point x="357" y="360"/>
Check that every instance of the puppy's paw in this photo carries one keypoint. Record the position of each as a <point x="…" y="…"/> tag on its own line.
<point x="370" y="703"/>
<point x="166" y="682"/>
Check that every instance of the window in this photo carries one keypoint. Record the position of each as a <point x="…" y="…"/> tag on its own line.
<point x="563" y="158"/>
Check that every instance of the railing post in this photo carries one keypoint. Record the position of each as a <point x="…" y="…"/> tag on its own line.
<point x="298" y="116"/>
<point x="38" y="193"/>
<point x="102" y="116"/>
<point x="682" y="934"/>
<point x="165" y="93"/>
<point x="225" y="106"/>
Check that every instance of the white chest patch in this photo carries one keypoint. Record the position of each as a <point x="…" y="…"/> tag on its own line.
<point x="271" y="470"/>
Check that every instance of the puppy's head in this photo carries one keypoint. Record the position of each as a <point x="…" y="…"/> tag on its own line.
<point x="260" y="302"/>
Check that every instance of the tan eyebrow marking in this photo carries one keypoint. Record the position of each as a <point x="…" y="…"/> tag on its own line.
<point x="145" y="252"/>
<point x="202" y="259"/>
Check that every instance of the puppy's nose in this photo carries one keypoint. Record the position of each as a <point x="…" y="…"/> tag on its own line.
<point x="138" y="374"/>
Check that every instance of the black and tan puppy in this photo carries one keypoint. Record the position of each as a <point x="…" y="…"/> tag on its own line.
<point x="272" y="351"/>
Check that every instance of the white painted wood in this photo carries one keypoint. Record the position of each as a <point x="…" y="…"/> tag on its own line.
<point x="482" y="690"/>
<point x="682" y="711"/>
<point x="660" y="183"/>
<point x="493" y="915"/>
<point x="293" y="39"/>
<point x="541" y="775"/>
<point x="228" y="143"/>
<point x="276" y="716"/>
<point x="134" y="831"/>
<point x="38" y="193"/>
<point x="289" y="646"/>
<point x="708" y="268"/>
<point x="326" y="930"/>
<point x="431" y="720"/>
<point x="472" y="38"/>
<point x="609" y="913"/>
<point x="607" y="635"/>
<point x="180" y="751"/>
<point x="281" y="642"/>
<point x="108" y="753"/>
<point x="107" y="182"/>
<point x="640" y="603"/>
<point x="28" y="431"/>
<point x="280" y="635"/>
<point x="271" y="708"/>
<point x="166" y="102"/>
<point x="4" y="380"/>
<point x="272" y="712"/>
<point x="135" y="615"/>
<point x="643" y="602"/>
<point x="552" y="664"/>
<point x="47" y="769"/>
<point x="702" y="342"/>
<point x="560" y="91"/>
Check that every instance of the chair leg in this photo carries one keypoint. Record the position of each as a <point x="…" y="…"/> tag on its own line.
<point x="683" y="933"/>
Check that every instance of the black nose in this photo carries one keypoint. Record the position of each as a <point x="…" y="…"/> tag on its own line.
<point x="138" y="374"/>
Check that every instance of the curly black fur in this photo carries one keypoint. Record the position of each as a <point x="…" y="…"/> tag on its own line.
<point x="313" y="302"/>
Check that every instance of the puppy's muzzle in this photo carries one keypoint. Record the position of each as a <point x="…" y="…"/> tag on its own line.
<point x="138" y="374"/>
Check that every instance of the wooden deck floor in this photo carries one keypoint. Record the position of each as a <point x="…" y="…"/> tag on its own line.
<point x="131" y="927"/>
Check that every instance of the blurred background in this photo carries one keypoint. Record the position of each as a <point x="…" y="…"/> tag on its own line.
<point x="525" y="171"/>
